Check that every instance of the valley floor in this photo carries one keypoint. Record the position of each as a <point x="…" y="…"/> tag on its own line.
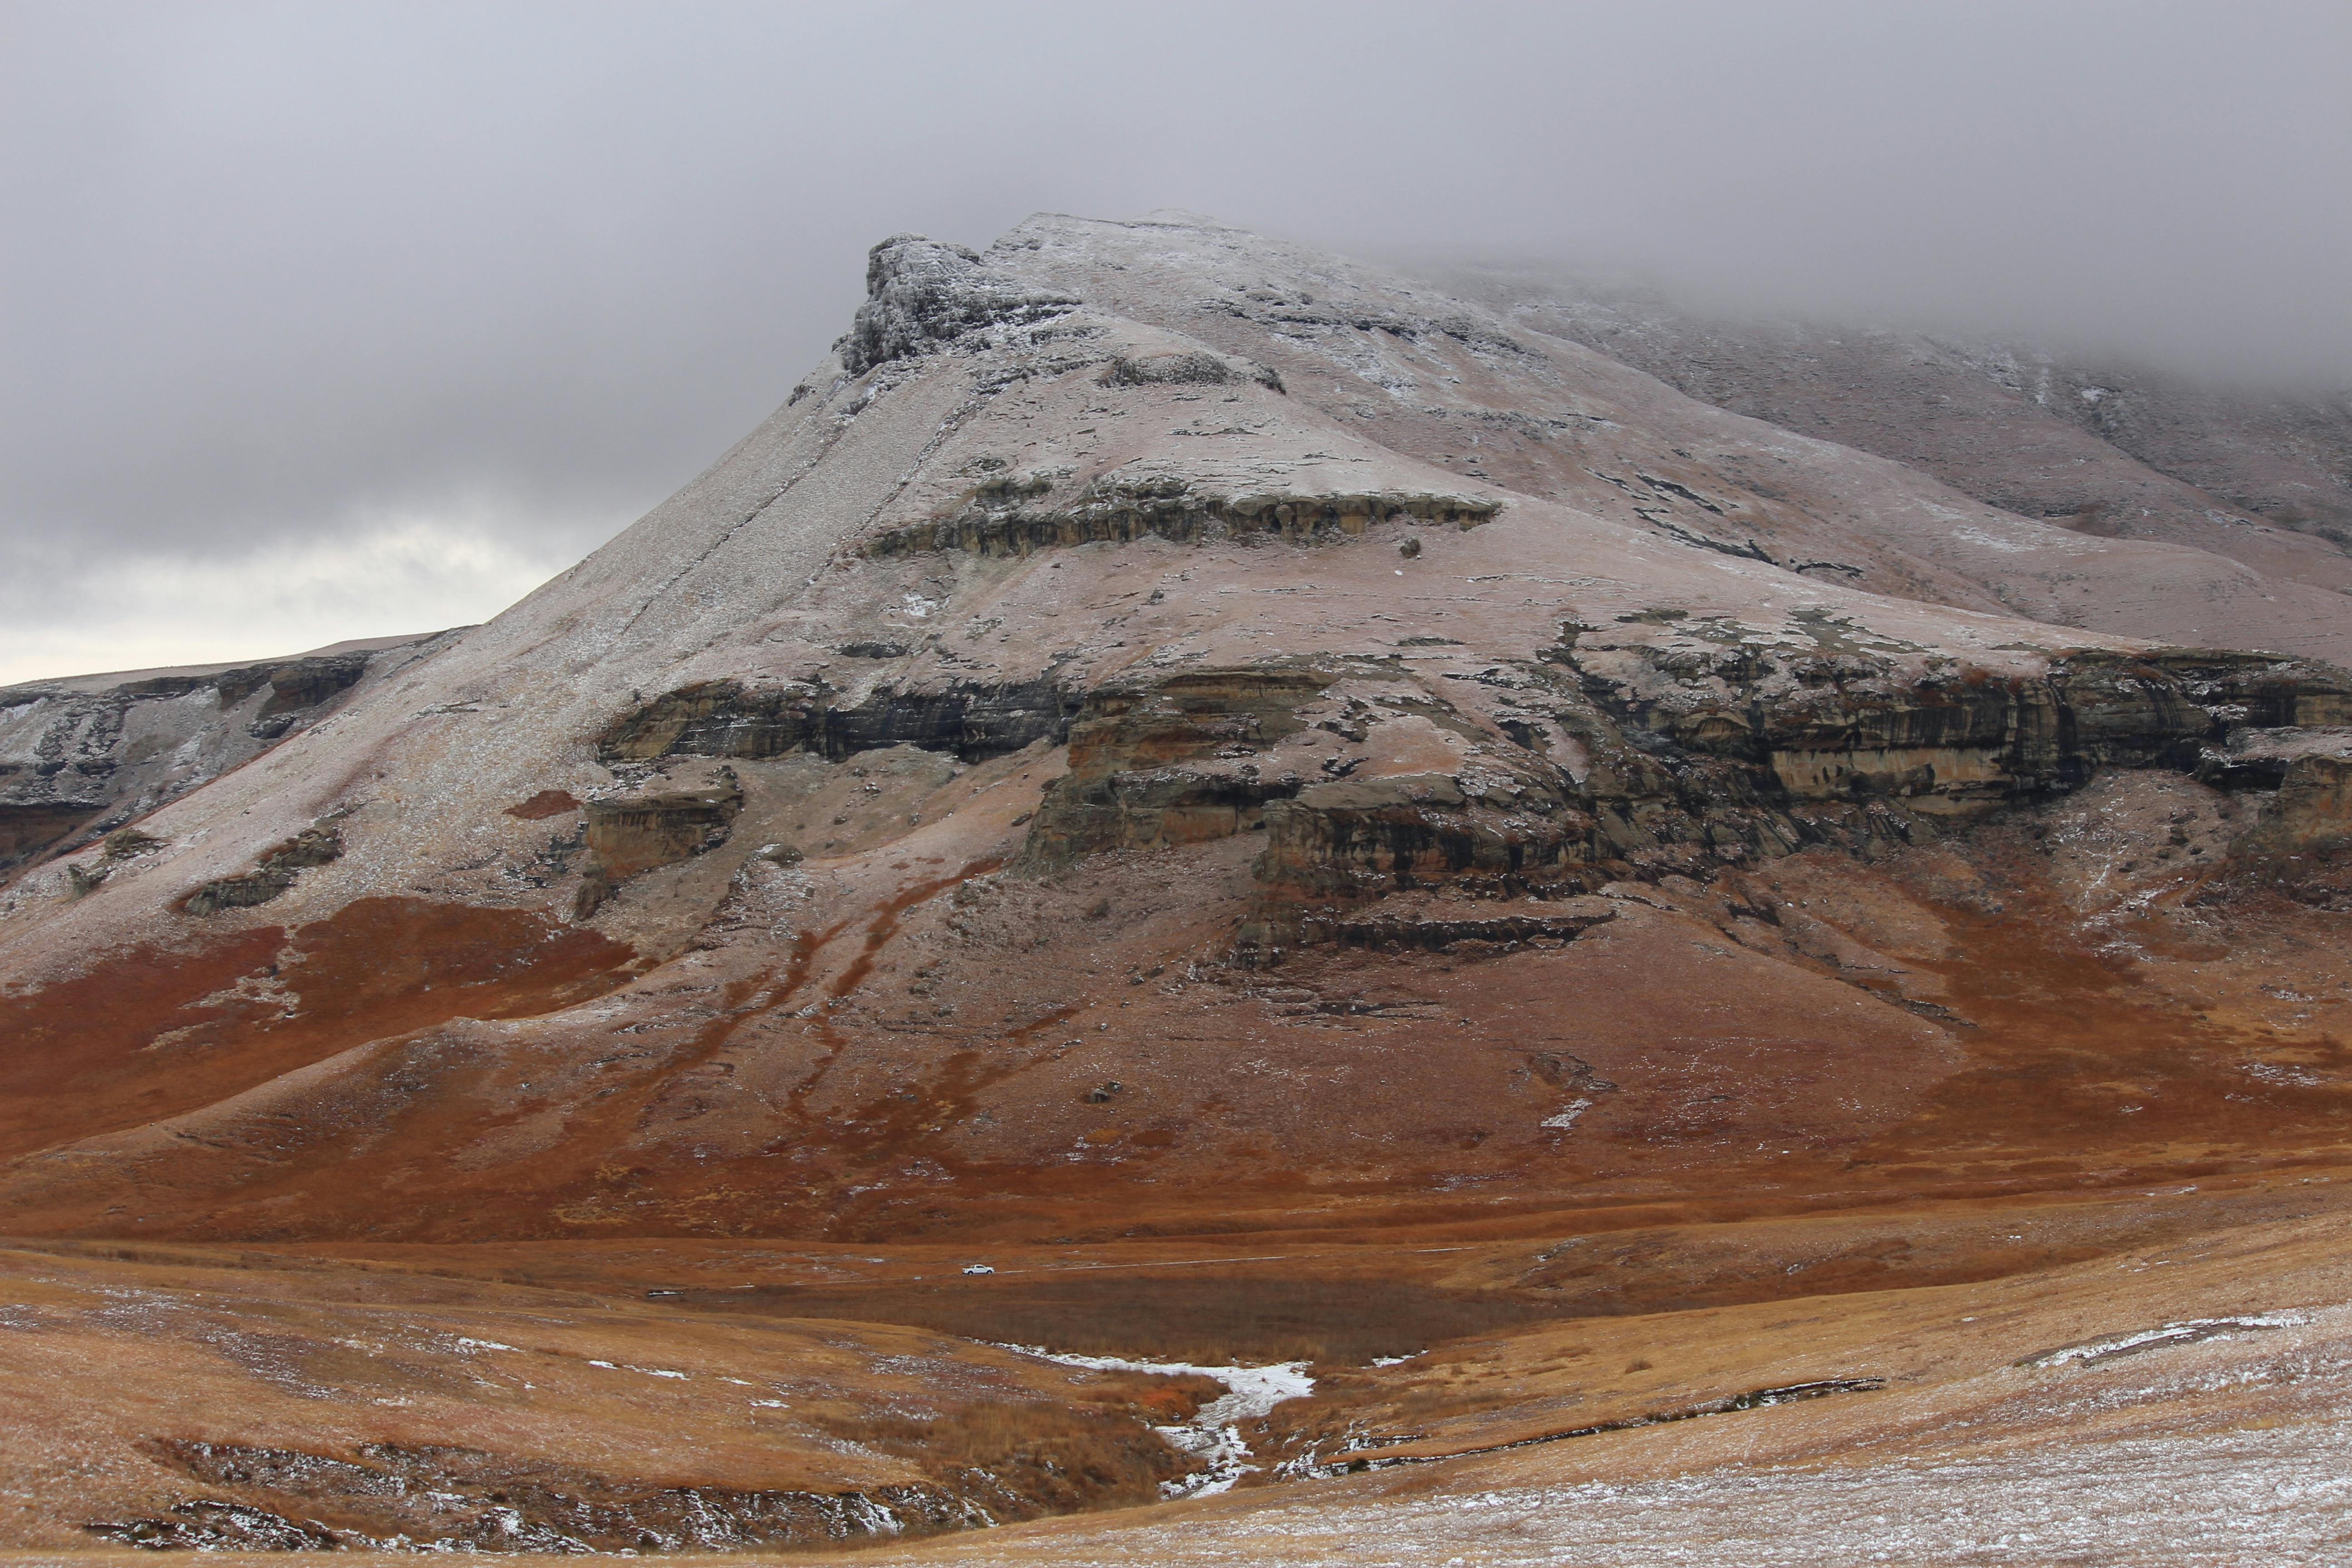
<point x="2180" y="1399"/>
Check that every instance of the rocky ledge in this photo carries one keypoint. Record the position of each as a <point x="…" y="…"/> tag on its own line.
<point x="1601" y="756"/>
<point x="1551" y="776"/>
<point x="1001" y="521"/>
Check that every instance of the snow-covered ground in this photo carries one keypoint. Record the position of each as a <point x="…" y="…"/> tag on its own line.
<point x="2275" y="1498"/>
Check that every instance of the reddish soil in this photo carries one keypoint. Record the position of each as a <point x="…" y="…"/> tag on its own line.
<point x="156" y="1033"/>
<point x="547" y="802"/>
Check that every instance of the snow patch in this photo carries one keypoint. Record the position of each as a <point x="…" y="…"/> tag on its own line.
<point x="1213" y="1435"/>
<point x="2091" y="1353"/>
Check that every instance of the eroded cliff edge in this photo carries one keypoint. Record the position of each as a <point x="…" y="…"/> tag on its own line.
<point x="84" y="756"/>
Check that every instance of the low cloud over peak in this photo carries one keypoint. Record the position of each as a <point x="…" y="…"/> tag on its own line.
<point x="271" y="271"/>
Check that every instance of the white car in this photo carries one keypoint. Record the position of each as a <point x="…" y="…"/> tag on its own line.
<point x="978" y="1268"/>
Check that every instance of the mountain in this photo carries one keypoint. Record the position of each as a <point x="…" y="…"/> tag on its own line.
<point x="1173" y="753"/>
<point x="82" y="756"/>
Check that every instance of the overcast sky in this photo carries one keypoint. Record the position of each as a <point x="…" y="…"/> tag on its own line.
<point x="321" y="321"/>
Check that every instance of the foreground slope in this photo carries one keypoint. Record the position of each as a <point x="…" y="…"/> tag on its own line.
<point x="208" y="1402"/>
<point x="1173" y="757"/>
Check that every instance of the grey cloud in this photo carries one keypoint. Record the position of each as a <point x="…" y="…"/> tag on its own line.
<point x="265" y="267"/>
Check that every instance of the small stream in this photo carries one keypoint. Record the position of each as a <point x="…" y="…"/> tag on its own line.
<point x="1214" y="1435"/>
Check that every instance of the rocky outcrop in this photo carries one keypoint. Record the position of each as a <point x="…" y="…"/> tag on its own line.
<point x="1000" y="519"/>
<point x="1400" y="924"/>
<point x="731" y="719"/>
<point x="632" y="833"/>
<point x="1160" y="761"/>
<point x="1188" y="367"/>
<point x="294" y="686"/>
<point x="1716" y="748"/>
<point x="80" y="757"/>
<point x="2312" y="810"/>
<point x="274" y="873"/>
<point x="660" y="823"/>
<point x="1355" y="840"/>
<point x="25" y="830"/>
<point x="1293" y="750"/>
<point x="924" y="298"/>
<point x="1848" y="723"/>
<point x="2308" y="773"/>
<point x="1690" y="753"/>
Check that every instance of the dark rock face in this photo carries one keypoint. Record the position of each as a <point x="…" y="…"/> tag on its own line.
<point x="1136" y="778"/>
<point x="727" y="719"/>
<point x="275" y="872"/>
<point x="1852" y="726"/>
<point x="1352" y="840"/>
<point x="1194" y="368"/>
<point x="1186" y="759"/>
<point x="632" y="833"/>
<point x="78" y="759"/>
<point x="293" y="686"/>
<point x="2314" y="810"/>
<point x="2310" y="814"/>
<point x="1734" y="753"/>
<point x="923" y="296"/>
<point x="1439" y="927"/>
<point x="1948" y="739"/>
<point x="1692" y="759"/>
<point x="662" y="821"/>
<point x="1002" y="522"/>
<point x="26" y="830"/>
<point x="1704" y="751"/>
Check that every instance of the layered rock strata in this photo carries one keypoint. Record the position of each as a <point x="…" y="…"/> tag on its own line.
<point x="1593" y="762"/>
<point x="1169" y="508"/>
<point x="660" y="822"/>
<point x="731" y="719"/>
